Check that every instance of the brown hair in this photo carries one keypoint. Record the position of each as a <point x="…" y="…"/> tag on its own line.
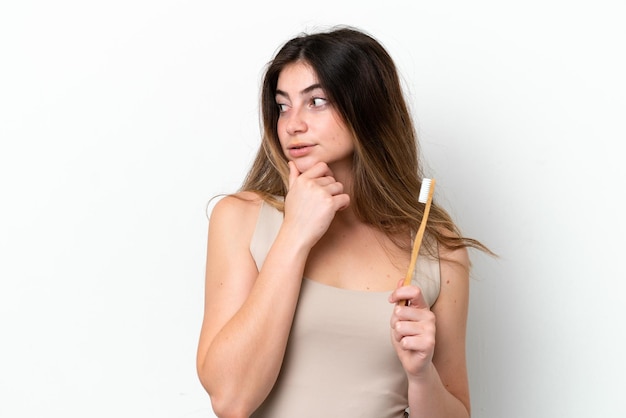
<point x="361" y="82"/>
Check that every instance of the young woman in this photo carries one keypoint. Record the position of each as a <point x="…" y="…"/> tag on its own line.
<point x="304" y="306"/>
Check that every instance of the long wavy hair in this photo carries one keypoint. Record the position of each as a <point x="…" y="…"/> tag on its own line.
<point x="361" y="82"/>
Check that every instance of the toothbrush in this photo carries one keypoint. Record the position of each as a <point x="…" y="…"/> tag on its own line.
<point x="425" y="196"/>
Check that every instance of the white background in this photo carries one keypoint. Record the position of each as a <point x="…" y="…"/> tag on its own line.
<point x="120" y="119"/>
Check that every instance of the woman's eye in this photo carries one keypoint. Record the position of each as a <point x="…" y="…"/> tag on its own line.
<point x="318" y="101"/>
<point x="281" y="107"/>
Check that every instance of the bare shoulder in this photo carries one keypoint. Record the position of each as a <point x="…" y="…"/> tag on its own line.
<point x="452" y="303"/>
<point x="231" y="226"/>
<point x="235" y="205"/>
<point x="230" y="267"/>
<point x="453" y="261"/>
<point x="457" y="259"/>
<point x="236" y="211"/>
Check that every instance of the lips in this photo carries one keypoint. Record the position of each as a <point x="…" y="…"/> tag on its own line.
<point x="300" y="150"/>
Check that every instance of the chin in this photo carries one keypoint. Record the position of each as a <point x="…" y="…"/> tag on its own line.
<point x="304" y="164"/>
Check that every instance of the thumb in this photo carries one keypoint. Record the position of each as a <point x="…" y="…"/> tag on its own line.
<point x="418" y="301"/>
<point x="409" y="296"/>
<point x="293" y="173"/>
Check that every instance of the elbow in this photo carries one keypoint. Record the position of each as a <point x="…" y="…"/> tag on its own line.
<point x="224" y="407"/>
<point x="225" y="403"/>
<point x="229" y="405"/>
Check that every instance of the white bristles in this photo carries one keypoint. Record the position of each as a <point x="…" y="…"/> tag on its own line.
<point x="424" y="190"/>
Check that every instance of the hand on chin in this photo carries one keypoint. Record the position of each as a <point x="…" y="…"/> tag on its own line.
<point x="303" y="164"/>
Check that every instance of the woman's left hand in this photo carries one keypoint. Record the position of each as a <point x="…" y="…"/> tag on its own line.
<point x="412" y="330"/>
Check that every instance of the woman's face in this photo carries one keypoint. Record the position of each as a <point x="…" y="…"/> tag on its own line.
<point x="309" y="128"/>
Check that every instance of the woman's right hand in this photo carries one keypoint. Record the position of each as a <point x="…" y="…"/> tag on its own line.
<point x="312" y="200"/>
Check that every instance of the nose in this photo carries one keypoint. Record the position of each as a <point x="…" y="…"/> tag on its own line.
<point x="295" y="123"/>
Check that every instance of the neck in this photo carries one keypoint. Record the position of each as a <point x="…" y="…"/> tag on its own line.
<point x="343" y="174"/>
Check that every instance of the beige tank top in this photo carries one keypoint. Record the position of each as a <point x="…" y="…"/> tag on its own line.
<point x="339" y="360"/>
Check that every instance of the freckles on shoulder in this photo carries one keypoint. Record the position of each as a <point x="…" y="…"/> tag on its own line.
<point x="454" y="273"/>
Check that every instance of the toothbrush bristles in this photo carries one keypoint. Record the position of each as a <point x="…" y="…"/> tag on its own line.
<point x="423" y="196"/>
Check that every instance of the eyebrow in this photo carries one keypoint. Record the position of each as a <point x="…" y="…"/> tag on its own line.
<point x="303" y="92"/>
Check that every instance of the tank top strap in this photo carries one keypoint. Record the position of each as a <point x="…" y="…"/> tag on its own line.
<point x="427" y="276"/>
<point x="267" y="225"/>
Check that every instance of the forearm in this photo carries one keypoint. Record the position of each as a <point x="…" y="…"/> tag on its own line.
<point x="244" y="358"/>
<point x="429" y="398"/>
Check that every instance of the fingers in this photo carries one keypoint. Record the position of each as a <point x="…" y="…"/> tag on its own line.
<point x="313" y="199"/>
<point x="408" y="320"/>
<point x="413" y="327"/>
<point x="415" y="336"/>
<point x="342" y="201"/>
<point x="319" y="172"/>
<point x="412" y="294"/>
<point x="293" y="173"/>
<point x="319" y="169"/>
<point x="320" y="176"/>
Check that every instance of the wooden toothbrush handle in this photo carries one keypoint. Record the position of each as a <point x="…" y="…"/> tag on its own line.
<point x="417" y="243"/>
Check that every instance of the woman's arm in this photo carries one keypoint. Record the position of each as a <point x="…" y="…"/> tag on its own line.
<point x="431" y="343"/>
<point x="247" y="314"/>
